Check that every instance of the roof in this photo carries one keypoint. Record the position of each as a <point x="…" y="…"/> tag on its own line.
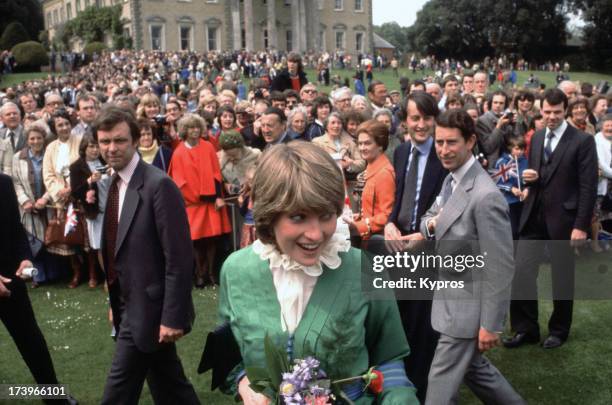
<point x="380" y="42"/>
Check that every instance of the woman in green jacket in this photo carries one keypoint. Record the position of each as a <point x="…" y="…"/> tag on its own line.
<point x="300" y="283"/>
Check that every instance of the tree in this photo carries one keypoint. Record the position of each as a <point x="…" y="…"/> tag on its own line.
<point x="395" y="34"/>
<point x="597" y="14"/>
<point x="469" y="29"/>
<point x="30" y="56"/>
<point x="27" y="12"/>
<point x="13" y="34"/>
<point x="92" y="24"/>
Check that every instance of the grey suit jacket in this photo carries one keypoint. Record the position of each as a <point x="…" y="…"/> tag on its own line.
<point x="492" y="139"/>
<point x="153" y="258"/>
<point x="475" y="220"/>
<point x="19" y="140"/>
<point x="7" y="151"/>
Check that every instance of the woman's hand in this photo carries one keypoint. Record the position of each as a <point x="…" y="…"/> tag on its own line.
<point x="64" y="193"/>
<point x="40" y="204"/>
<point x="95" y="176"/>
<point x="250" y="397"/>
<point x="27" y="206"/>
<point x="219" y="203"/>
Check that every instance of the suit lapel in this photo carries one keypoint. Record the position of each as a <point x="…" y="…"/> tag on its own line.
<point x="433" y="171"/>
<point x="537" y="148"/>
<point x="130" y="203"/>
<point x="402" y="166"/>
<point x="457" y="203"/>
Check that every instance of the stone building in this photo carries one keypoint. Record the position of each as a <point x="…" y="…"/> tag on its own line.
<point x="203" y="25"/>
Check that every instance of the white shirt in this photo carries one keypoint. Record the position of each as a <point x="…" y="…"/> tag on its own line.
<point x="558" y="134"/>
<point x="125" y="175"/>
<point x="461" y="171"/>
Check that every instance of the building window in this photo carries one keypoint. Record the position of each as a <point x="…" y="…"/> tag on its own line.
<point x="243" y="38"/>
<point x="359" y="42"/>
<point x="69" y="11"/>
<point x="86" y="3"/>
<point x="358" y="5"/>
<point x="339" y="39"/>
<point x="289" y="41"/>
<point x="212" y="38"/>
<point x="265" y="39"/>
<point x="287" y="2"/>
<point x="157" y="37"/>
<point x="339" y="5"/>
<point x="185" y="38"/>
<point x="321" y="40"/>
<point x="55" y="17"/>
<point x="78" y="6"/>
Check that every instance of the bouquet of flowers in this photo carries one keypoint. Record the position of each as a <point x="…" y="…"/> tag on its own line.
<point x="304" y="382"/>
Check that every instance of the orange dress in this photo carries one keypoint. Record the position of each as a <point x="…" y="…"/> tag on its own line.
<point x="377" y="197"/>
<point x="195" y="171"/>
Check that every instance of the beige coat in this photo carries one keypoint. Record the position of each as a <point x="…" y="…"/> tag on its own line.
<point x="6" y="156"/>
<point x="23" y="178"/>
<point x="234" y="172"/>
<point x="348" y="148"/>
<point x="54" y="181"/>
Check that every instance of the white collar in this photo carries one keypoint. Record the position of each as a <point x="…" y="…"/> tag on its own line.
<point x="329" y="255"/>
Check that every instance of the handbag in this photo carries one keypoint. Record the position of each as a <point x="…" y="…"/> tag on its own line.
<point x="54" y="234"/>
<point x="35" y="243"/>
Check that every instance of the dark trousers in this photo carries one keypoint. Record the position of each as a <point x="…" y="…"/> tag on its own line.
<point x="529" y="256"/>
<point x="18" y="317"/>
<point x="162" y="369"/>
<point x="422" y="338"/>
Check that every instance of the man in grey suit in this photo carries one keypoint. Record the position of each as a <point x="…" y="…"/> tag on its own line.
<point x="494" y="127"/>
<point x="148" y="260"/>
<point x="12" y="139"/>
<point x="470" y="213"/>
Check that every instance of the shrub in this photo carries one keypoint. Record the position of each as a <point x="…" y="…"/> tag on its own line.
<point x="92" y="47"/>
<point x="30" y="56"/>
<point x="13" y="34"/>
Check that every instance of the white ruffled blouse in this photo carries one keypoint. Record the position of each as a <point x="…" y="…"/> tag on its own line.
<point x="295" y="282"/>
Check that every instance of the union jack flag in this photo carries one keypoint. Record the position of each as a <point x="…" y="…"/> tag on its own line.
<point x="71" y="220"/>
<point x="505" y="171"/>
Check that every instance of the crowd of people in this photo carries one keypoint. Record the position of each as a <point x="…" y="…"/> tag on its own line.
<point x="292" y="177"/>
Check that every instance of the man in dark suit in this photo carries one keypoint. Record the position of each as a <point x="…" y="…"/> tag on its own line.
<point x="274" y="127"/>
<point x="149" y="265"/>
<point x="15" y="308"/>
<point x="562" y="179"/>
<point x="418" y="180"/>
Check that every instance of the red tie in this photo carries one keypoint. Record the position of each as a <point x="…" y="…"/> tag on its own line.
<point x="111" y="223"/>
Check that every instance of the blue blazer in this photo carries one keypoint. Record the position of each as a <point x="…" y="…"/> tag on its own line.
<point x="430" y="188"/>
<point x="162" y="158"/>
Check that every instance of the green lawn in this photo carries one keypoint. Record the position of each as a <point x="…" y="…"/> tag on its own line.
<point x="77" y="332"/>
<point x="16" y="78"/>
<point x="386" y="76"/>
<point x="393" y="83"/>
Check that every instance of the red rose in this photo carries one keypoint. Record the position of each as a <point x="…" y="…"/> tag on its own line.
<point x="376" y="382"/>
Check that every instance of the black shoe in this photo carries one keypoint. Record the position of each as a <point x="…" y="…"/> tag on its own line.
<point x="552" y="342"/>
<point x="519" y="339"/>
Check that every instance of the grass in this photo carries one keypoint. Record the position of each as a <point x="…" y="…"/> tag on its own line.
<point x="386" y="76"/>
<point x="17" y="78"/>
<point x="77" y="332"/>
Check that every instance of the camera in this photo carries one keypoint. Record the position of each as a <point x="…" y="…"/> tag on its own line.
<point x="102" y="169"/>
<point x="508" y="114"/>
<point x="259" y="93"/>
<point x="160" y="119"/>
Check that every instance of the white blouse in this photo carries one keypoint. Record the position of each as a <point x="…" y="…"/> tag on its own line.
<point x="295" y="282"/>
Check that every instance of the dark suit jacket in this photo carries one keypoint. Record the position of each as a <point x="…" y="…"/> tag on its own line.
<point x="153" y="258"/>
<point x="162" y="158"/>
<point x="14" y="246"/>
<point x="282" y="81"/>
<point x="430" y="188"/>
<point x="568" y="187"/>
<point x="79" y="173"/>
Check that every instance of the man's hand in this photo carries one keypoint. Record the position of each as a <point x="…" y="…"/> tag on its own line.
<point x="23" y="265"/>
<point x="487" y="340"/>
<point x="250" y="397"/>
<point x="577" y="237"/>
<point x="4" y="292"/>
<point x="530" y="176"/>
<point x="169" y="335"/>
<point x="219" y="203"/>
<point x="503" y="121"/>
<point x="393" y="238"/>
